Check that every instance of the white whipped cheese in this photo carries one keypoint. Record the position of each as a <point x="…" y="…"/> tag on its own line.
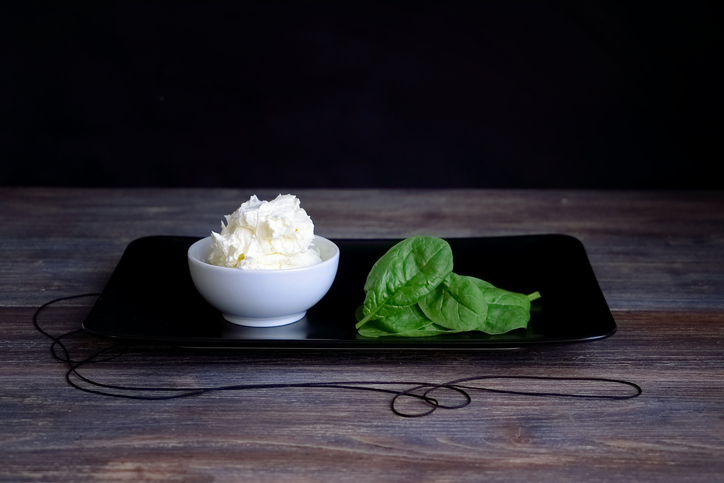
<point x="266" y="235"/>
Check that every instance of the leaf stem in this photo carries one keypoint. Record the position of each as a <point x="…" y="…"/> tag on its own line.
<point x="534" y="296"/>
<point x="364" y="321"/>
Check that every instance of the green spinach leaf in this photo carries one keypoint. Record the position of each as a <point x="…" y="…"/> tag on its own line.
<point x="412" y="292"/>
<point x="408" y="272"/>
<point x="456" y="304"/>
<point x="409" y="318"/>
<point x="506" y="310"/>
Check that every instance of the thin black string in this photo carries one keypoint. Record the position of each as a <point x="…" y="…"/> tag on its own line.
<point x="420" y="391"/>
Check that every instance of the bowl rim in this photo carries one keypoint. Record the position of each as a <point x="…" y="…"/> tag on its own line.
<point x="333" y="259"/>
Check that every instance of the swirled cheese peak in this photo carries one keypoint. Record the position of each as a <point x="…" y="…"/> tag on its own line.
<point x="266" y="235"/>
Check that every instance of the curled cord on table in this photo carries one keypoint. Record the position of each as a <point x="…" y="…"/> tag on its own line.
<point x="418" y="390"/>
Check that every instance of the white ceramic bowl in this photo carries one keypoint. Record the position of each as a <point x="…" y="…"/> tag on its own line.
<point x="263" y="298"/>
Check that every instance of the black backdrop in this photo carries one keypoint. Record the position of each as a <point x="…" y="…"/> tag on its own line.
<point x="518" y="94"/>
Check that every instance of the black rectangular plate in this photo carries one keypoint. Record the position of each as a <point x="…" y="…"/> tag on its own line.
<point x="150" y="297"/>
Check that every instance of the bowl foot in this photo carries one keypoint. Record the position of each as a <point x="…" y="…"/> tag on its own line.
<point x="264" y="322"/>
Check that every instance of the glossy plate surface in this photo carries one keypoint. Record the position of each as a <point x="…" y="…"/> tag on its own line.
<point x="150" y="297"/>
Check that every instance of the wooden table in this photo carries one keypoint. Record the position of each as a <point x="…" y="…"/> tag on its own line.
<point x="659" y="258"/>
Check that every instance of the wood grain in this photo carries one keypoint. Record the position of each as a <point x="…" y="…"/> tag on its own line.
<point x="673" y="432"/>
<point x="658" y="256"/>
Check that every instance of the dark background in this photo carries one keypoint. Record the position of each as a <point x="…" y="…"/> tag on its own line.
<point x="576" y="94"/>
